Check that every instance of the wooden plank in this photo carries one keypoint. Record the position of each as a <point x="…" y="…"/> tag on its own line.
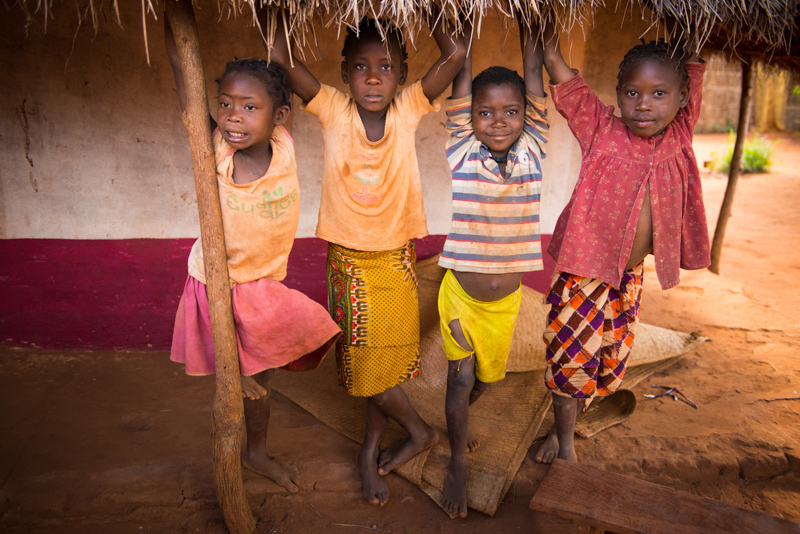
<point x="626" y="505"/>
<point x="552" y="524"/>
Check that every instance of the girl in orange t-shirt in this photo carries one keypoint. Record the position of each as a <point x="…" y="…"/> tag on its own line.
<point x="370" y="210"/>
<point x="257" y="178"/>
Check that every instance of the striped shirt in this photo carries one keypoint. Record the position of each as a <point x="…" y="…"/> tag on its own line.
<point x="495" y="219"/>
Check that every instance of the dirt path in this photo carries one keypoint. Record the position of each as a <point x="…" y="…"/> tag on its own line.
<point x="120" y="442"/>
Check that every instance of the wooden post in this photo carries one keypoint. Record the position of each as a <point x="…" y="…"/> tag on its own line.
<point x="736" y="164"/>
<point x="228" y="410"/>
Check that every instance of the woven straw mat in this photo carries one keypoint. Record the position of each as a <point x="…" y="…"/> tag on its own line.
<point x="506" y="419"/>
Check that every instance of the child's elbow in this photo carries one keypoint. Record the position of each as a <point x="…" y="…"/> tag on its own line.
<point x="551" y="56"/>
<point x="459" y="53"/>
<point x="276" y="56"/>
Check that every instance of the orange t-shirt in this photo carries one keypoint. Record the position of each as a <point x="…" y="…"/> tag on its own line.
<point x="371" y="192"/>
<point x="259" y="218"/>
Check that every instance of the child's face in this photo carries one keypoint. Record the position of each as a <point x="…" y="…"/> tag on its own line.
<point x="498" y="115"/>
<point x="373" y="73"/>
<point x="245" y="115"/>
<point x="649" y="97"/>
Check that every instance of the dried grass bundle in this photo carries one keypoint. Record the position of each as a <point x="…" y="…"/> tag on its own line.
<point x="766" y="27"/>
<point x="410" y="16"/>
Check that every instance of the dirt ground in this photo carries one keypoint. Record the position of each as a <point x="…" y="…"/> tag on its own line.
<point x="120" y="442"/>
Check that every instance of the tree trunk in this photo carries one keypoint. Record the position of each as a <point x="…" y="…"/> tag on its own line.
<point x="736" y="164"/>
<point x="228" y="410"/>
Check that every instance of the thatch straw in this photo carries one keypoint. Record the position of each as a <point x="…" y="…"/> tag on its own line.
<point x="767" y="27"/>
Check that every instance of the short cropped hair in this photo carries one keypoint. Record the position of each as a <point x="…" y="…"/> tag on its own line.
<point x="498" y="76"/>
<point x="369" y="28"/>
<point x="271" y="75"/>
<point x="672" y="56"/>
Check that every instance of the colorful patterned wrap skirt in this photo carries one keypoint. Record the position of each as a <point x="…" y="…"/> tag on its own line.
<point x="372" y="296"/>
<point x="589" y="334"/>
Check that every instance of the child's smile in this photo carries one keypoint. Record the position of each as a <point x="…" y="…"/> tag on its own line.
<point x="245" y="115"/>
<point x="649" y="98"/>
<point x="373" y="74"/>
<point x="498" y="116"/>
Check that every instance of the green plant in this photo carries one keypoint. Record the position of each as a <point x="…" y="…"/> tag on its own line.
<point x="755" y="159"/>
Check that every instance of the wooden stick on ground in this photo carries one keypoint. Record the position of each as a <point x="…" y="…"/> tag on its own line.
<point x="228" y="411"/>
<point x="736" y="164"/>
<point x="625" y="505"/>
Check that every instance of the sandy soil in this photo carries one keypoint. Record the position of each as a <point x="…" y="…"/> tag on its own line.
<point x="120" y="442"/>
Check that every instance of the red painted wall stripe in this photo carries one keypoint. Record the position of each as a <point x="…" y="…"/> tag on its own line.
<point x="122" y="294"/>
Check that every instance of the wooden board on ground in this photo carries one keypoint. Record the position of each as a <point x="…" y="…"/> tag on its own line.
<point x="626" y="505"/>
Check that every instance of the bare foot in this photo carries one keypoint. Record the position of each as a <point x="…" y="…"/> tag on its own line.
<point x="374" y="486"/>
<point x="265" y="465"/>
<point x="454" y="500"/>
<point x="252" y="389"/>
<point x="472" y="441"/>
<point x="548" y="451"/>
<point x="396" y="456"/>
<point x="568" y="454"/>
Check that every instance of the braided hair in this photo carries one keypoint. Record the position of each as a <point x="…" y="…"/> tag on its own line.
<point x="271" y="75"/>
<point x="671" y="56"/>
<point x="369" y="28"/>
<point x="498" y="76"/>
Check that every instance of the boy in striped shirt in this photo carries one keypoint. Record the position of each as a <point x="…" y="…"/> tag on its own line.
<point x="498" y="127"/>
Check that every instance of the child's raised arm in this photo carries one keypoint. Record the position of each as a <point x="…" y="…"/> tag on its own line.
<point x="175" y="63"/>
<point x="304" y="84"/>
<point x="687" y="38"/>
<point x="692" y="49"/>
<point x="554" y="62"/>
<point x="462" y="83"/>
<point x="444" y="70"/>
<point x="532" y="57"/>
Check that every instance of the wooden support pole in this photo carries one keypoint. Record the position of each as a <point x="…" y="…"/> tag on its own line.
<point x="228" y="410"/>
<point x="735" y="171"/>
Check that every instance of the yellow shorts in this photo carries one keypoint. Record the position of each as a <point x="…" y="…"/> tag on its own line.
<point x="488" y="327"/>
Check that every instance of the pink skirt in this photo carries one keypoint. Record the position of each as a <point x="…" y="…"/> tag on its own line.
<point x="275" y="327"/>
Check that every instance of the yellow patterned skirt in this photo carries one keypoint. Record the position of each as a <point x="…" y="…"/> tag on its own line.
<point x="372" y="296"/>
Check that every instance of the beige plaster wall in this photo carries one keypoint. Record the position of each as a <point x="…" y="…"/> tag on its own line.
<point x="93" y="146"/>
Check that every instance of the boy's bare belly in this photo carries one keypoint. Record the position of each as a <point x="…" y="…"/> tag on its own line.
<point x="488" y="287"/>
<point x="643" y="240"/>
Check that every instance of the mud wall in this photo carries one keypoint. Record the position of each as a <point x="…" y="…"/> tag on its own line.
<point x="722" y="89"/>
<point x="97" y="204"/>
<point x="93" y="146"/>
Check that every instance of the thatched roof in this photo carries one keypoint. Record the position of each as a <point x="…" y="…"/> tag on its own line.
<point x="767" y="28"/>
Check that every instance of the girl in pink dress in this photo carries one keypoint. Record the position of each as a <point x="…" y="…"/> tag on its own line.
<point x="259" y="196"/>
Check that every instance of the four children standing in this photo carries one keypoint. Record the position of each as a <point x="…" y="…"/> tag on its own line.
<point x="638" y="192"/>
